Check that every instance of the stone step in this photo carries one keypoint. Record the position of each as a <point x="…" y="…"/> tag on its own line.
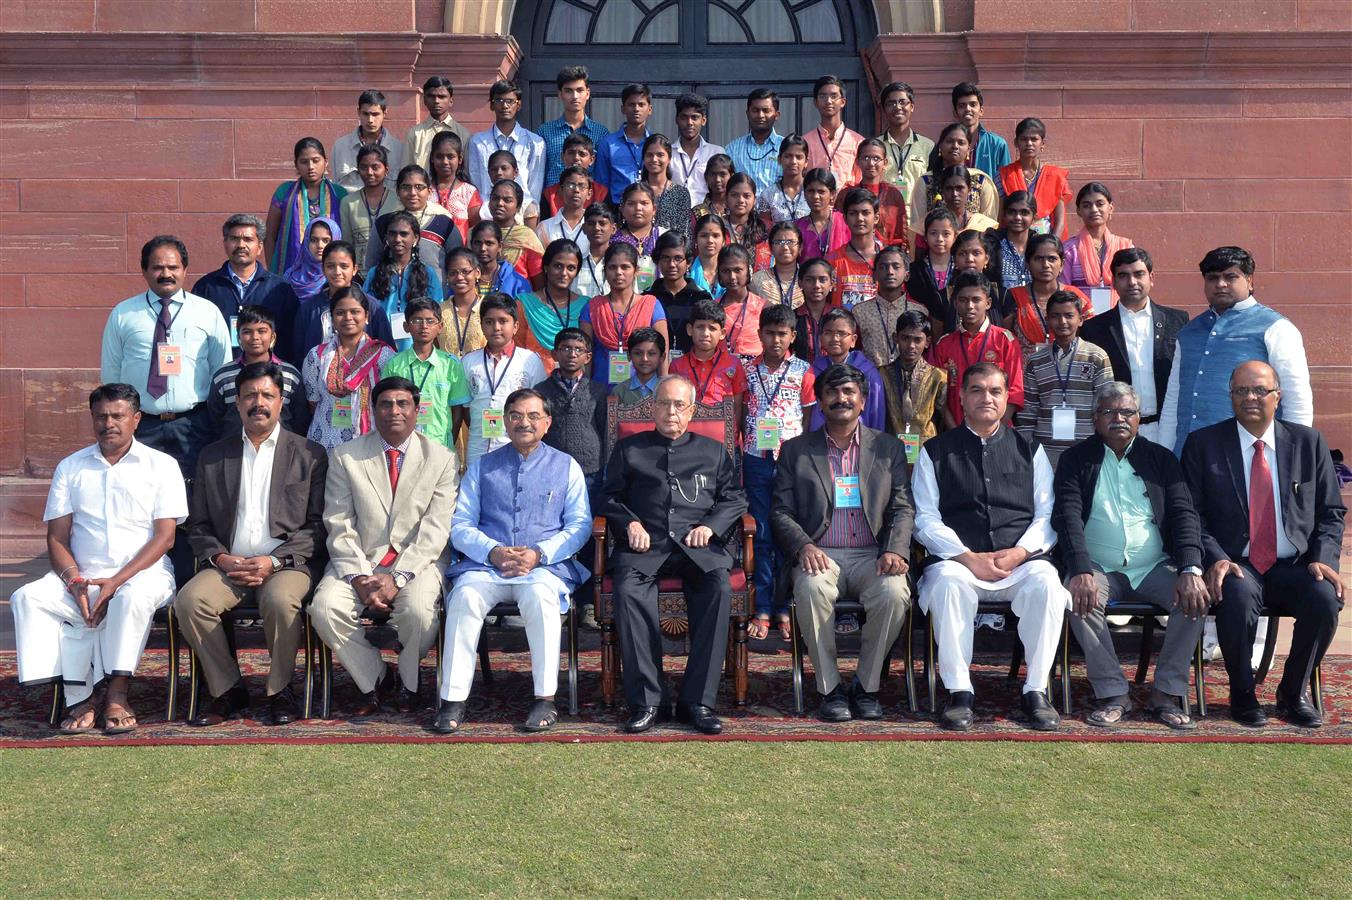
<point x="23" y="534"/>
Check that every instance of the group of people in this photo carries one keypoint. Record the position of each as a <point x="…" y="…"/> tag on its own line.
<point x="922" y="370"/>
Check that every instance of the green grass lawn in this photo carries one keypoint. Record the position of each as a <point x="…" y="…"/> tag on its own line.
<point x="731" y="819"/>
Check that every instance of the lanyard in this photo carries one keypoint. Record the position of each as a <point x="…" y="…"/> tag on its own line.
<point x="488" y="372"/>
<point x="792" y="204"/>
<point x="565" y="316"/>
<point x="786" y="295"/>
<point x="635" y="155"/>
<point x="1064" y="383"/>
<point x="372" y="213"/>
<point x="1016" y="258"/>
<point x="1032" y="185"/>
<point x="461" y="334"/>
<point x="499" y="137"/>
<point x="168" y="329"/>
<point x="770" y="397"/>
<point x="823" y="236"/>
<point x="687" y="171"/>
<point x="620" y="334"/>
<point x="1032" y="301"/>
<point x="814" y="335"/>
<point x="831" y="154"/>
<point x="713" y="370"/>
<point x="563" y="230"/>
<point x="422" y="381"/>
<point x="980" y="353"/>
<point x="741" y="320"/>
<point x="905" y="384"/>
<point x="929" y="265"/>
<point x="770" y="147"/>
<point x="887" y="332"/>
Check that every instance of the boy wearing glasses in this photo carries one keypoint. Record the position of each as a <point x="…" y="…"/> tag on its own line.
<point x="507" y="134"/>
<point x="442" y="386"/>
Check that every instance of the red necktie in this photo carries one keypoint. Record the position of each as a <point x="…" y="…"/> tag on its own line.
<point x="1262" y="515"/>
<point x="157" y="385"/>
<point x="392" y="456"/>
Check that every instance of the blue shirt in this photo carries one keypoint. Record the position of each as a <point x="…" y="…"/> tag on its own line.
<point x="555" y="132"/>
<point x="760" y="161"/>
<point x="527" y="147"/>
<point x="397" y="298"/>
<point x="644" y="388"/>
<point x="618" y="162"/>
<point x="992" y="153"/>
<point x="198" y="330"/>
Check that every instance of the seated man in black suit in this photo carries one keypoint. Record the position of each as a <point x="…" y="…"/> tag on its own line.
<point x="1138" y="334"/>
<point x="842" y="511"/>
<point x="1272" y="531"/>
<point x="671" y="497"/>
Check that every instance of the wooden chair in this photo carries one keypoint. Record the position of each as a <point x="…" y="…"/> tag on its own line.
<point x="164" y="617"/>
<point x="719" y="423"/>
<point x="246" y="612"/>
<point x="1270" y="648"/>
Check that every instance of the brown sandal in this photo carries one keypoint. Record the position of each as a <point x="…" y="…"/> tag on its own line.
<point x="76" y="714"/>
<point x="785" y="629"/>
<point x="119" y="724"/>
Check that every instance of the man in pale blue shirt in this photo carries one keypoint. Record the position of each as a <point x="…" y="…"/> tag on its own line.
<point x="757" y="151"/>
<point x="619" y="156"/>
<point x="166" y="343"/>
<point x="507" y="134"/>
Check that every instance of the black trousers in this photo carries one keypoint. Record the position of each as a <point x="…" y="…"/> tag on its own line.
<point x="708" y="597"/>
<point x="1290" y="589"/>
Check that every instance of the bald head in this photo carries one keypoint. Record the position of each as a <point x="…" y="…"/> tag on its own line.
<point x="1254" y="394"/>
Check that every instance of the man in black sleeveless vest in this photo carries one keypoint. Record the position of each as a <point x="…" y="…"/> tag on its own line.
<point x="983" y="498"/>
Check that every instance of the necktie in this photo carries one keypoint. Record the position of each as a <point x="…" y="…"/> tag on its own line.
<point x="392" y="456"/>
<point x="157" y="385"/>
<point x="1262" y="515"/>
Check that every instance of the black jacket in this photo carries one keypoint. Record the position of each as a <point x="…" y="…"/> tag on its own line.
<point x="1076" y="481"/>
<point x="1312" y="509"/>
<point x="268" y="290"/>
<point x="1105" y="330"/>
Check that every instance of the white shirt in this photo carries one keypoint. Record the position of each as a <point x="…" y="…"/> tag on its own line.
<point x="526" y="146"/>
<point x="1285" y="549"/>
<point x="689" y="170"/>
<point x="251" y="537"/>
<point x="343" y="160"/>
<point x="1138" y="333"/>
<point x="1286" y="355"/>
<point x="556" y="227"/>
<point x="943" y="541"/>
<point x="518" y="369"/>
<point x="591" y="276"/>
<point x="197" y="329"/>
<point x="115" y="506"/>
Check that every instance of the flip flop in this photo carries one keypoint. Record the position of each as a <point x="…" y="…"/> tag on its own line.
<point x="847" y="624"/>
<point x="758" y="629"/>
<point x="1109" y="715"/>
<point x="1172" y="716"/>
<point x="75" y="714"/>
<point x="119" y="724"/>
<point x="785" y="629"/>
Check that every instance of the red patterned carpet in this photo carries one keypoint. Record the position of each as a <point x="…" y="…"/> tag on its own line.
<point x="768" y="715"/>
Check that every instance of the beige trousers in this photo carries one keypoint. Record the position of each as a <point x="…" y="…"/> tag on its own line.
<point x="336" y="608"/>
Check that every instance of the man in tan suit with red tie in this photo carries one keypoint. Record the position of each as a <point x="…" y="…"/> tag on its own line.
<point x="387" y="507"/>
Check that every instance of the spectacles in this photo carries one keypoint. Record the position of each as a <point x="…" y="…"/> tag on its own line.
<point x="576" y="186"/>
<point x="506" y="101"/>
<point x="572" y="350"/>
<point x="517" y="418"/>
<point x="412" y="187"/>
<point x="1255" y="393"/>
<point x="783" y="242"/>
<point x="422" y="322"/>
<point x="679" y="406"/>
<point x="1119" y="413"/>
<point x="898" y="104"/>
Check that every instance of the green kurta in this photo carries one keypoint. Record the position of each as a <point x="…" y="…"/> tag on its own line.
<point x="1121" y="533"/>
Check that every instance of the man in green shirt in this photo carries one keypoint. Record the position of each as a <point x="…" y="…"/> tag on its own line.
<point x="441" y="381"/>
<point x="1128" y="531"/>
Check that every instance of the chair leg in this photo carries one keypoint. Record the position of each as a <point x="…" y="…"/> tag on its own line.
<point x="1317" y="689"/>
<point x="194" y="684"/>
<point x="931" y="675"/>
<point x="740" y="661"/>
<point x="572" y="661"/>
<point x="1015" y="659"/>
<point x="1065" y="668"/>
<point x="171" y="689"/>
<point x="485" y="669"/>
<point x="1147" y="648"/>
<point x="1199" y="664"/>
<point x="58" y="703"/>
<point x="307" y="635"/>
<point x="326" y="680"/>
<point x="1269" y="648"/>
<point x="441" y="652"/>
<point x="609" y="658"/>
<point x="796" y="645"/>
<point x="908" y="627"/>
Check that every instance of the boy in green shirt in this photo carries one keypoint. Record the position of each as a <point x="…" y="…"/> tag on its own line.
<point x="439" y="376"/>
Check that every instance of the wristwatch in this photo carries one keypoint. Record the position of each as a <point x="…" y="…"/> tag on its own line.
<point x="277" y="564"/>
<point x="1191" y="570"/>
<point x="400" y="579"/>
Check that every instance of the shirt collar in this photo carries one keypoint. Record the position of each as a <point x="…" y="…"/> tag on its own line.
<point x="853" y="441"/>
<point x="239" y="281"/>
<point x="1145" y="313"/>
<point x="402" y="448"/>
<point x="985" y="324"/>
<point x="180" y="296"/>
<point x="1248" y="302"/>
<point x="1246" y="440"/>
<point x="514" y="134"/>
<point x="698" y="149"/>
<point x="270" y="440"/>
<point x="506" y="353"/>
<point x="357" y="143"/>
<point x="986" y="440"/>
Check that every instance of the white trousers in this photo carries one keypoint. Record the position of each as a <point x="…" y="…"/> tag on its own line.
<point x="472" y="598"/>
<point x="54" y="642"/>
<point x="949" y="594"/>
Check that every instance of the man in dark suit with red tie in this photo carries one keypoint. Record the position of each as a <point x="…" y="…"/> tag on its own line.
<point x="1272" y="531"/>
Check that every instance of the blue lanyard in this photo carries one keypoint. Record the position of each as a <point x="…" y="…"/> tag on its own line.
<point x="770" y="398"/>
<point x="1064" y="383"/>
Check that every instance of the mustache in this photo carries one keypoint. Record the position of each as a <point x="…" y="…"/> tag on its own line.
<point x="258" y="410"/>
<point x="842" y="405"/>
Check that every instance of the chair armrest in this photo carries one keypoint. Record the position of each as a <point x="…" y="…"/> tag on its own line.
<point x="599" y="559"/>
<point x="748" y="544"/>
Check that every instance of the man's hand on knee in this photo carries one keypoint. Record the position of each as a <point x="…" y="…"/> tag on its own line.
<point x="813" y="560"/>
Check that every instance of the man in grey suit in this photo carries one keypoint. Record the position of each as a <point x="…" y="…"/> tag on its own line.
<point x="256" y="530"/>
<point x="387" y="507"/>
<point x="842" y="510"/>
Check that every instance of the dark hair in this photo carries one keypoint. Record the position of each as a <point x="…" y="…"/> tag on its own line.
<point x="791" y="141"/>
<point x="503" y="155"/>
<point x="763" y="94"/>
<point x="821" y="261"/>
<point x="309" y="143"/>
<point x="840" y="313"/>
<point x="244" y="220"/>
<point x="438" y="81"/>
<point x="838" y="375"/>
<point x="252" y="314"/>
<point x="572" y="73"/>
<point x="941" y="213"/>
<point x="485" y="225"/>
<point x="708" y="311"/>
<point x="967" y="280"/>
<point x="575" y="171"/>
<point x="1031" y="124"/>
<point x="778" y="314"/>
<point x="520" y="394"/>
<point x="734" y="250"/>
<point x="460" y="252"/>
<point x="669" y="240"/>
<point x="952" y="172"/>
<point x="936" y="160"/>
<point x="915" y="318"/>
<point x="710" y="219"/>
<point x="1024" y="197"/>
<point x="967" y="89"/>
<point x="351" y="292"/>
<point x="646" y="336"/>
<point x="497" y="300"/>
<point x="819" y="175"/>
<point x="457" y="145"/>
<point x="412" y="169"/>
<point x="578" y="139"/>
<point x="601" y="210"/>
<point x="857" y="195"/>
<point x="502" y="87"/>
<point x="418" y="279"/>
<point x="1093" y="187"/>
<point x="422" y="304"/>
<point x="561" y="245"/>
<point x="620" y="248"/>
<point x="631" y="90"/>
<point x="893" y="88"/>
<point x="573" y="333"/>
<point x="871" y="142"/>
<point x="980" y="370"/>
<point x="394" y="383"/>
<point x="371" y="98"/>
<point x="114" y="391"/>
<point x="638" y="187"/>
<point x="1128" y="256"/>
<point x="660" y="140"/>
<point x="254" y="371"/>
<point x="786" y="227"/>
<point x="970" y="236"/>
<point x="1061" y="297"/>
<point x="163" y="240"/>
<point x="376" y="150"/>
<point x="892" y="250"/>
<point x="826" y="81"/>
<point x="1035" y="241"/>
<point x="1217" y="260"/>
<point x="696" y="102"/>
<point x="717" y="160"/>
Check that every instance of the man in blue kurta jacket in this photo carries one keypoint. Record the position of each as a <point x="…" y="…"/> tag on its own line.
<point x="521" y="516"/>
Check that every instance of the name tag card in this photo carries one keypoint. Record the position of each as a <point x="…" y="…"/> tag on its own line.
<point x="912" y="444"/>
<point x="234" y="331"/>
<point x="769" y="433"/>
<point x="170" y="358"/>
<point x="398" y="329"/>
<point x="424" y="412"/>
<point x="847" y="492"/>
<point x="620" y="367"/>
<point x="493" y="426"/>
<point x="1102" y="299"/>
<point x="341" y="415"/>
<point x="1063" y="424"/>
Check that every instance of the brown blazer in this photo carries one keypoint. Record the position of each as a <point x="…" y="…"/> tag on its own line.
<point x="295" y="501"/>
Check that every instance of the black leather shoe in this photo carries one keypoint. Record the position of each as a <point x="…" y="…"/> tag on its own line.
<point x="864" y="705"/>
<point x="701" y="717"/>
<point x="1298" y="711"/>
<point x="227" y="706"/>
<point x="450" y="717"/>
<point x="369" y="703"/>
<point x="835" y="706"/>
<point x="1246" y="710"/>
<point x="1040" y="713"/>
<point x="406" y="701"/>
<point x="282" y="707"/>
<point x="957" y="715"/>
<point x="641" y="718"/>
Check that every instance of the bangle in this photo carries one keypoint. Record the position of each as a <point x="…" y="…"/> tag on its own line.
<point x="62" y="574"/>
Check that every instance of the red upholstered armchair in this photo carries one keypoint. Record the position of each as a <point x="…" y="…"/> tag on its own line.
<point x="719" y="423"/>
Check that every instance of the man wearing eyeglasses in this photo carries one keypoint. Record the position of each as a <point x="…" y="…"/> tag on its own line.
<point x="1272" y="533"/>
<point x="506" y="133"/>
<point x="907" y="151"/>
<point x="671" y="498"/>
<point x="1128" y="531"/>
<point x="521" y="516"/>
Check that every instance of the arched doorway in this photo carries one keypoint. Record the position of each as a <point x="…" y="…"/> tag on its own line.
<point x="719" y="48"/>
